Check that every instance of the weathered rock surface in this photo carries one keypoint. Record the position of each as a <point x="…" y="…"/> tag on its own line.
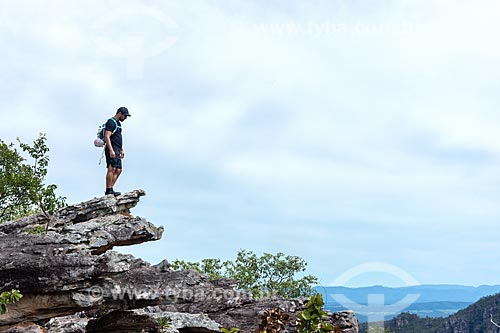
<point x="76" y="323"/>
<point x="25" y="328"/>
<point x="71" y="269"/>
<point x="244" y="316"/>
<point x="148" y="319"/>
<point x="57" y="270"/>
<point x="346" y="321"/>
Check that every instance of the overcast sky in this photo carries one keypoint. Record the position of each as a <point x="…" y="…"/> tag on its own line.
<point x="344" y="132"/>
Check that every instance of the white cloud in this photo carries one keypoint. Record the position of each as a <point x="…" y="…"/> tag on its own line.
<point x="314" y="124"/>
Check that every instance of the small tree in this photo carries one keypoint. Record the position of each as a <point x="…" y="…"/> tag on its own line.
<point x="265" y="275"/>
<point x="22" y="187"/>
<point x="271" y="274"/>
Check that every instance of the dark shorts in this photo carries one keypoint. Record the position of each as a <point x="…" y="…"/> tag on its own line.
<point x="114" y="162"/>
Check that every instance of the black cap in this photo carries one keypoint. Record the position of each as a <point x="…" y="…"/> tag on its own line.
<point x="123" y="110"/>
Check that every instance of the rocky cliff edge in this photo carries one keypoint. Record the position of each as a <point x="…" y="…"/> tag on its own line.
<point x="72" y="281"/>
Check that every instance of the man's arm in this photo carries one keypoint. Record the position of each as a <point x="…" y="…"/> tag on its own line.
<point x="107" y="137"/>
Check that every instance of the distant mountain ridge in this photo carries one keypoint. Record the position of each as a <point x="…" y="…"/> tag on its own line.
<point x="476" y="318"/>
<point x="433" y="301"/>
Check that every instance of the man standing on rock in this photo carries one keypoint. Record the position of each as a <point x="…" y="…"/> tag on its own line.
<point x="114" y="149"/>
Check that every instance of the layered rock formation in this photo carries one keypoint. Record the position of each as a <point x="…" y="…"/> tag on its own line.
<point x="71" y="269"/>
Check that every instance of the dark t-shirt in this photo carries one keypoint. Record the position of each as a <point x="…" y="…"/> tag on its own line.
<point x="116" y="137"/>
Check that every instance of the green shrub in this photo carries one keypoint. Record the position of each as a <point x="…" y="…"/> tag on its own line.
<point x="164" y="323"/>
<point x="9" y="297"/>
<point x="313" y="318"/>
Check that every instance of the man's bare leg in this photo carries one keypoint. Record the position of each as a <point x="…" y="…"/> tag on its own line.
<point x="110" y="177"/>
<point x="116" y="174"/>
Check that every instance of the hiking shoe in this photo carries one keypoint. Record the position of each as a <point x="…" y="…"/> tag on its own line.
<point x="116" y="193"/>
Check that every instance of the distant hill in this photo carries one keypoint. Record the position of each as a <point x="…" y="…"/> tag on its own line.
<point x="476" y="318"/>
<point x="433" y="300"/>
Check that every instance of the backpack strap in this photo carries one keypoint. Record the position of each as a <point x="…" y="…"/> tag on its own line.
<point x="116" y="128"/>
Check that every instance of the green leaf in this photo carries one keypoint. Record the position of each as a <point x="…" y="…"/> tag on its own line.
<point x="3" y="308"/>
<point x="305" y="315"/>
<point x="328" y="327"/>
